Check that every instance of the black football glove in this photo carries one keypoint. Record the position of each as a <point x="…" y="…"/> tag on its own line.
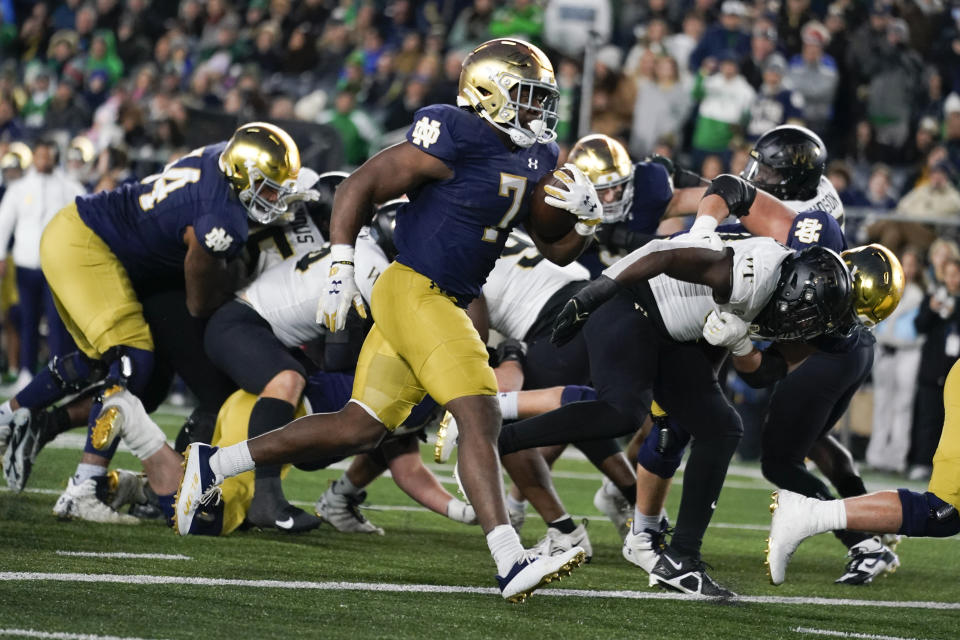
<point x="665" y="161"/>
<point x="578" y="308"/>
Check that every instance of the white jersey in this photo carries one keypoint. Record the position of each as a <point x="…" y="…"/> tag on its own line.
<point x="684" y="306"/>
<point x="275" y="243"/>
<point x="287" y="294"/>
<point x="826" y="200"/>
<point x="521" y="283"/>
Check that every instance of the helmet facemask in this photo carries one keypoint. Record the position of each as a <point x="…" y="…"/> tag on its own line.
<point x="533" y="96"/>
<point x="259" y="208"/>
<point x="767" y="179"/>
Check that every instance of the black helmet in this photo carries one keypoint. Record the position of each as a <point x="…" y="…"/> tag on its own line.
<point x="320" y="210"/>
<point x="382" y="226"/>
<point x="813" y="297"/>
<point x="787" y="162"/>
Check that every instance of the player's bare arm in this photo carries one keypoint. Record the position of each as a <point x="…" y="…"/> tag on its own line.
<point x="209" y="280"/>
<point x="387" y="175"/>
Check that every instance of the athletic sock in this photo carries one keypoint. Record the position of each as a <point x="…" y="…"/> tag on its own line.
<point x="629" y="493"/>
<point x="232" y="460"/>
<point x="85" y="471"/>
<point x="269" y="414"/>
<point x="515" y="505"/>
<point x="344" y="487"/>
<point x="505" y="547"/>
<point x="642" y="522"/>
<point x="564" y="524"/>
<point x="508" y="404"/>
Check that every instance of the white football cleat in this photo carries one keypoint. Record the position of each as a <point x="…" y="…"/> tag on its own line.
<point x="643" y="549"/>
<point x="868" y="559"/>
<point x="518" y="514"/>
<point x="532" y="572"/>
<point x="199" y="487"/>
<point x="793" y="522"/>
<point x="80" y="501"/>
<point x="610" y="502"/>
<point x="447" y="435"/>
<point x="125" y="487"/>
<point x="556" y="543"/>
<point x="343" y="513"/>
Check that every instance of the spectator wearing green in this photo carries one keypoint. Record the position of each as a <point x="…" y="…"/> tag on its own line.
<point x="521" y="18"/>
<point x="358" y="133"/>
<point x="103" y="56"/>
<point x="725" y="98"/>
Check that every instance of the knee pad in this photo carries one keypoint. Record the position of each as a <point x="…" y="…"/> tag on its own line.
<point x="926" y="515"/>
<point x="577" y="393"/>
<point x="74" y="372"/>
<point x="662" y="450"/>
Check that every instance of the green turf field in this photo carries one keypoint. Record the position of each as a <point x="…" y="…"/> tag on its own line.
<point x="432" y="578"/>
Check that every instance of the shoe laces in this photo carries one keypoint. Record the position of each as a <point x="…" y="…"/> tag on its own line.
<point x="212" y="496"/>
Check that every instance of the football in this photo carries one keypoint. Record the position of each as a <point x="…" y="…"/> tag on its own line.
<point x="547" y="222"/>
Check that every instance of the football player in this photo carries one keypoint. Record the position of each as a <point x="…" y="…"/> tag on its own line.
<point x="163" y="466"/>
<point x="901" y="512"/>
<point x="630" y="340"/>
<point x="182" y="225"/>
<point x="274" y="316"/>
<point x="637" y="198"/>
<point x="788" y="162"/>
<point x="469" y="172"/>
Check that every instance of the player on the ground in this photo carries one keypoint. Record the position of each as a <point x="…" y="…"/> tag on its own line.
<point x="902" y="512"/>
<point x="180" y="226"/>
<point x="469" y="173"/>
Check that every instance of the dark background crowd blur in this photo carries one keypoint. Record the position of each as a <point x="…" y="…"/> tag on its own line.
<point x="121" y="87"/>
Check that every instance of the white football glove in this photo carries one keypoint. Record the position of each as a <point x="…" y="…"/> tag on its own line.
<point x="580" y="198"/>
<point x="341" y="290"/>
<point x="723" y="329"/>
<point x="704" y="229"/>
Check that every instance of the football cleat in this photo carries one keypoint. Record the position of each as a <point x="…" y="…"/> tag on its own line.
<point x="643" y="549"/>
<point x="4" y="439"/>
<point x="532" y="572"/>
<point x="610" y="502"/>
<point x="294" y="520"/>
<point x="460" y="489"/>
<point x="23" y="445"/>
<point x="343" y="513"/>
<point x="686" y="575"/>
<point x="555" y="542"/>
<point x="199" y="487"/>
<point x="80" y="502"/>
<point x="792" y="523"/>
<point x="868" y="559"/>
<point x="447" y="435"/>
<point x="891" y="540"/>
<point x="109" y="423"/>
<point x="518" y="514"/>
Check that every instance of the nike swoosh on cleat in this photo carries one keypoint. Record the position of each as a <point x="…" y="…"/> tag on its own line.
<point x="284" y="524"/>
<point x="676" y="565"/>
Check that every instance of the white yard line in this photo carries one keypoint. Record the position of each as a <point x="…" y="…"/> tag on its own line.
<point x="15" y="576"/>
<point x="123" y="555"/>
<point x="848" y="634"/>
<point x="58" y="635"/>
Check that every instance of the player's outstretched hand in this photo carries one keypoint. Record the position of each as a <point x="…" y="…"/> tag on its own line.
<point x="578" y="308"/>
<point x="724" y="329"/>
<point x="580" y="198"/>
<point x="341" y="290"/>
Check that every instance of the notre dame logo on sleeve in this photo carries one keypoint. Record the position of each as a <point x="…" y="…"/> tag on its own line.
<point x="426" y="132"/>
<point x="808" y="231"/>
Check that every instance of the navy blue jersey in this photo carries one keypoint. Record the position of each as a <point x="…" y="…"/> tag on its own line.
<point x="143" y="223"/>
<point x="452" y="231"/>
<point x="652" y="193"/>
<point x="809" y="228"/>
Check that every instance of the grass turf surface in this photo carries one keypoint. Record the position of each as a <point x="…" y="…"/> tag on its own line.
<point x="424" y="549"/>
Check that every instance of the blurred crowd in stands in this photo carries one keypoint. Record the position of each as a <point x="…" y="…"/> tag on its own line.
<point x="117" y="88"/>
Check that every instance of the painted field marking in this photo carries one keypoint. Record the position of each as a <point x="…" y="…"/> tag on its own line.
<point x="848" y="634"/>
<point x="123" y="555"/>
<point x="15" y="576"/>
<point x="58" y="635"/>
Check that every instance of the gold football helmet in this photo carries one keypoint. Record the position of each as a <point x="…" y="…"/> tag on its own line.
<point x="877" y="281"/>
<point x="262" y="160"/>
<point x="504" y="76"/>
<point x="18" y="156"/>
<point x="608" y="166"/>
